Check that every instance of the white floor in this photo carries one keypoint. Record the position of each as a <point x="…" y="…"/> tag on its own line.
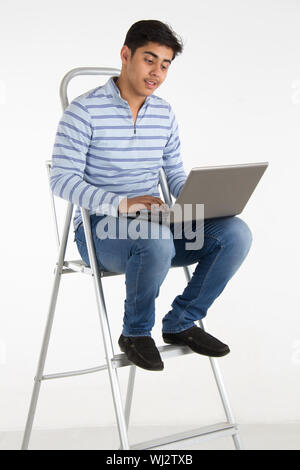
<point x="254" y="437"/>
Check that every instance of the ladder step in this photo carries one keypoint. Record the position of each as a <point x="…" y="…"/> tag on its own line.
<point x="181" y="440"/>
<point x="166" y="352"/>
<point x="120" y="360"/>
<point x="79" y="266"/>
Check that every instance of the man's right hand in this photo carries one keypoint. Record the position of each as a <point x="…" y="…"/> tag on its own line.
<point x="134" y="204"/>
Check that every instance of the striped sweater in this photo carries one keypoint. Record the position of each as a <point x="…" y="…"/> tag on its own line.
<point x="101" y="156"/>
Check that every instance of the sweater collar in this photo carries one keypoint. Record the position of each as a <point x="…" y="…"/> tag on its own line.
<point x="115" y="92"/>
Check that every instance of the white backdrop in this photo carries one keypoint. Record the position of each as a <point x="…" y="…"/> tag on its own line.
<point x="236" y="94"/>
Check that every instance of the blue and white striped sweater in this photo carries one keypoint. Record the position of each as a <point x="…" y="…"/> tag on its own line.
<point x="100" y="156"/>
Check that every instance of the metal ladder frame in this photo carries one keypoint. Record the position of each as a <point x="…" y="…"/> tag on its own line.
<point x="114" y="361"/>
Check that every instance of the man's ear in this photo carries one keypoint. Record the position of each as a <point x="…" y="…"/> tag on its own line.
<point x="125" y="54"/>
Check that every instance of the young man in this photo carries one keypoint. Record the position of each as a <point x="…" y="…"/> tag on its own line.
<point x="110" y="145"/>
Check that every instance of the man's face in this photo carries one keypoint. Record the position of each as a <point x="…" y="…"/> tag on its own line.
<point x="150" y="63"/>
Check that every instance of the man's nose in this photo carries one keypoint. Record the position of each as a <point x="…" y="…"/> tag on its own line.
<point x="156" y="71"/>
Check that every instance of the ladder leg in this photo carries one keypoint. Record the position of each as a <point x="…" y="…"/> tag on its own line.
<point x="129" y="394"/>
<point x="45" y="343"/>
<point x="41" y="363"/>
<point x="219" y="381"/>
<point x="107" y="339"/>
<point x="237" y="441"/>
<point x="224" y="397"/>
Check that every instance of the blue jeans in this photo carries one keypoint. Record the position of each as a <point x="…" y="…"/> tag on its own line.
<point x="146" y="262"/>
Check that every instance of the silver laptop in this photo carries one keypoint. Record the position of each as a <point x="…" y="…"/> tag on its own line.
<point x="218" y="191"/>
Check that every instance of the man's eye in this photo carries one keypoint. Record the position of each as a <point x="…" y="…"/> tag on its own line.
<point x="151" y="62"/>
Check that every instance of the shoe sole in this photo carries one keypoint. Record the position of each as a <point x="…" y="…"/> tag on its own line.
<point x="203" y="352"/>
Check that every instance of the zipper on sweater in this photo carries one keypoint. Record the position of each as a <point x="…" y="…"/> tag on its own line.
<point x="134" y="123"/>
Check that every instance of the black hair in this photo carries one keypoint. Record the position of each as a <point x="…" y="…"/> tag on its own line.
<point x="144" y="31"/>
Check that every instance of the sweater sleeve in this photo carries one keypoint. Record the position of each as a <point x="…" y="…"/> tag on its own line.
<point x="71" y="146"/>
<point x="172" y="162"/>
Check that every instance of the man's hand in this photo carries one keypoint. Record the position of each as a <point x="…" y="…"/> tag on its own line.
<point x="134" y="204"/>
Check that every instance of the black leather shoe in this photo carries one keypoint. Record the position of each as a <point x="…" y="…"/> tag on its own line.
<point x="141" y="350"/>
<point x="199" y="341"/>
